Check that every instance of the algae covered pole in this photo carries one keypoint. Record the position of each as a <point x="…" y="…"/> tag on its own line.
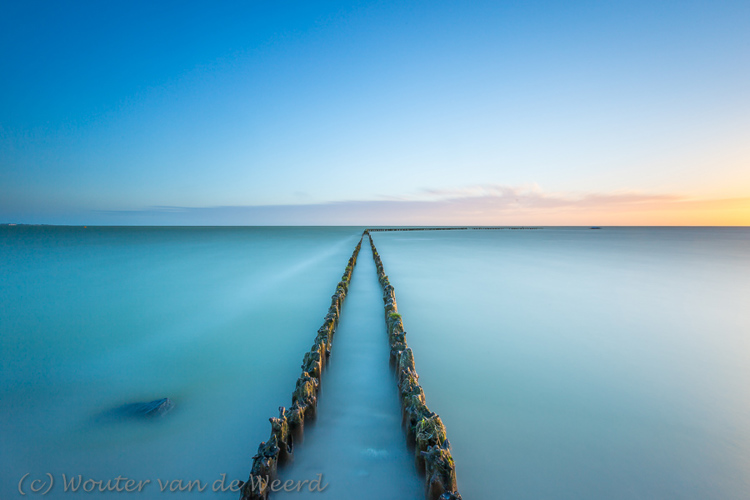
<point x="289" y="425"/>
<point x="424" y="427"/>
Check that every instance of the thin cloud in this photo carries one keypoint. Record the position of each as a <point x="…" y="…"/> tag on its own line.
<point x="477" y="205"/>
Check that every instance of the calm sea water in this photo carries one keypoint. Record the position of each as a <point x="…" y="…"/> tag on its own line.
<point x="566" y="363"/>
<point x="584" y="364"/>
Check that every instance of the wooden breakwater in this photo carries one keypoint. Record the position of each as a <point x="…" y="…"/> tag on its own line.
<point x="424" y="428"/>
<point x="446" y="228"/>
<point x="289" y="425"/>
<point x="419" y="229"/>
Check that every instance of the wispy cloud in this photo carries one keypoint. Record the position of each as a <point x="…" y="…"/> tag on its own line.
<point x="479" y="205"/>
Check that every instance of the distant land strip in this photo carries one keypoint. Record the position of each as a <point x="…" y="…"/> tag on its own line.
<point x="424" y="428"/>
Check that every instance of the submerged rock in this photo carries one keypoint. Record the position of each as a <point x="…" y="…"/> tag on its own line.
<point x="155" y="408"/>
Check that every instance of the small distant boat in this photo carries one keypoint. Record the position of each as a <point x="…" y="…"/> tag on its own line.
<point x="595" y="227"/>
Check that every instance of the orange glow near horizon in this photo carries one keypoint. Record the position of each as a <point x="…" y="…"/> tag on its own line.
<point x="726" y="212"/>
<point x="597" y="212"/>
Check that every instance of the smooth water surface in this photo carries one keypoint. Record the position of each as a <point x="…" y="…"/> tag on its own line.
<point x="570" y="363"/>
<point x="216" y="319"/>
<point x="566" y="363"/>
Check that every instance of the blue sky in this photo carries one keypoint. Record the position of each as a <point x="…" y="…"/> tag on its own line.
<point x="358" y="112"/>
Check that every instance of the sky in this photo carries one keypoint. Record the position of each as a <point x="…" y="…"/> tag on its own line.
<point x="375" y="113"/>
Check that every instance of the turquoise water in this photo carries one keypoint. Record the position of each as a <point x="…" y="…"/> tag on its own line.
<point x="565" y="363"/>
<point x="571" y="363"/>
<point x="216" y="319"/>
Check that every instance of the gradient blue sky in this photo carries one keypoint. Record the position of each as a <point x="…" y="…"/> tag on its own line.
<point x="537" y="112"/>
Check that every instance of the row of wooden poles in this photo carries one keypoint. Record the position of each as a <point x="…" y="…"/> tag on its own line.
<point x="444" y="228"/>
<point x="419" y="229"/>
<point x="289" y="425"/>
<point x="424" y="428"/>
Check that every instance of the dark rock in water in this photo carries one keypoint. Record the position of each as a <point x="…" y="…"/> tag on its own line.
<point x="155" y="408"/>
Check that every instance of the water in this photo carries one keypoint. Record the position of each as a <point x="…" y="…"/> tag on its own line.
<point x="571" y="363"/>
<point x="217" y="319"/>
<point x="565" y="363"/>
